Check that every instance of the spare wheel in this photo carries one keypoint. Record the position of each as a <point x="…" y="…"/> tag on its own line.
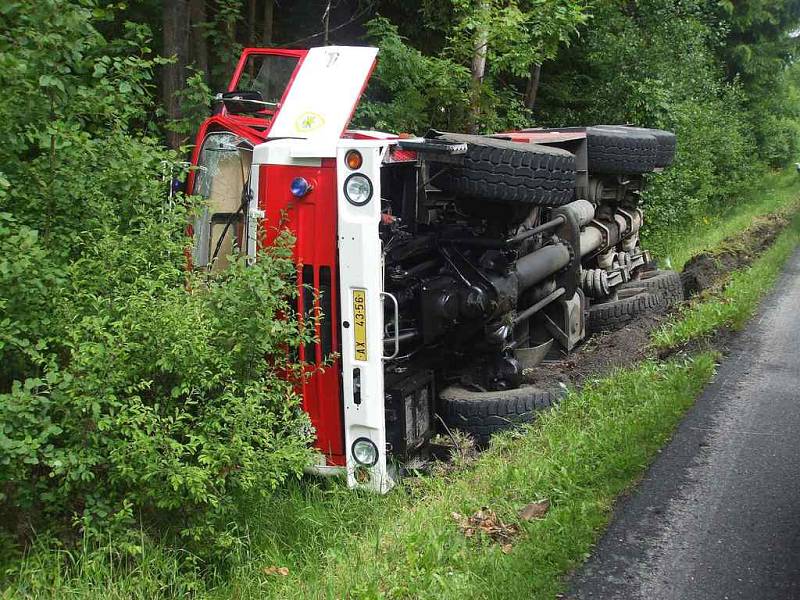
<point x="512" y="172"/>
<point x="620" y="151"/>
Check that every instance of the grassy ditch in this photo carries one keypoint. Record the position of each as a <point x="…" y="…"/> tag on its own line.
<point x="316" y="539"/>
<point x="578" y="457"/>
<point x="732" y="305"/>
<point x="777" y="192"/>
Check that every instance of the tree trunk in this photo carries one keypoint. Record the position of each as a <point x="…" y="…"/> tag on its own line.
<point x="479" y="62"/>
<point x="197" y="18"/>
<point x="251" y="24"/>
<point x="533" y="86"/>
<point x="230" y="34"/>
<point x="269" y="6"/>
<point x="176" y="45"/>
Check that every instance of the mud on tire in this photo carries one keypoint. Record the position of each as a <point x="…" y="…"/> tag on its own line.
<point x="511" y="172"/>
<point x="616" y="151"/>
<point x="666" y="284"/>
<point x="482" y="414"/>
<point x="630" y="303"/>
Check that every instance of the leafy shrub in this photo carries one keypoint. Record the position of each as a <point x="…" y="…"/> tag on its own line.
<point x="777" y="135"/>
<point x="130" y="390"/>
<point x="28" y="284"/>
<point x="167" y="404"/>
<point x="715" y="157"/>
<point x="628" y="68"/>
<point x="134" y="394"/>
<point x="194" y="100"/>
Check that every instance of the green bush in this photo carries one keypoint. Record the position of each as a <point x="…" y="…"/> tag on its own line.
<point x="160" y="403"/>
<point x="131" y="391"/>
<point x="715" y="157"/>
<point x="655" y="64"/>
<point x="777" y="137"/>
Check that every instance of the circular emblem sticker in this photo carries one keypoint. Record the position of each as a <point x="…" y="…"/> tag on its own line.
<point x="308" y="122"/>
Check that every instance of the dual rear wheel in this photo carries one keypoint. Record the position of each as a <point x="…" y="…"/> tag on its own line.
<point x="532" y="174"/>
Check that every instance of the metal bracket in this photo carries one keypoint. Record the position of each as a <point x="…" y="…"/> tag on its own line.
<point x="433" y="146"/>
<point x="393" y="298"/>
<point x="438" y="150"/>
<point x="628" y="221"/>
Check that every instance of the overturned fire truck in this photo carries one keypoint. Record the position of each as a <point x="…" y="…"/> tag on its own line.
<point x="435" y="270"/>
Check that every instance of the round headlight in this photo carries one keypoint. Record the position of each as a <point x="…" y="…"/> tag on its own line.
<point x="358" y="189"/>
<point x="365" y="452"/>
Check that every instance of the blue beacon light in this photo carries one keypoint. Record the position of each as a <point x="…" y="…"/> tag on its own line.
<point x="299" y="187"/>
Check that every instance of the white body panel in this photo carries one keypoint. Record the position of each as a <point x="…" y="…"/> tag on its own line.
<point x="324" y="93"/>
<point x="307" y="129"/>
<point x="361" y="268"/>
<point x="299" y="153"/>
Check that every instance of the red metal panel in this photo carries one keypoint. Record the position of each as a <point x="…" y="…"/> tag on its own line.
<point x="312" y="220"/>
<point x="541" y="136"/>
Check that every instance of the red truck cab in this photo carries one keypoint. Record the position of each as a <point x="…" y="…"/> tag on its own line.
<point x="283" y="159"/>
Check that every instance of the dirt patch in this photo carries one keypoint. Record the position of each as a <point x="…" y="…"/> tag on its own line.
<point x="711" y="269"/>
<point x="603" y="353"/>
<point x="599" y="355"/>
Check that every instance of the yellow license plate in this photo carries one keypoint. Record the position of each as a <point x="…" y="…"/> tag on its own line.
<point x="360" y="323"/>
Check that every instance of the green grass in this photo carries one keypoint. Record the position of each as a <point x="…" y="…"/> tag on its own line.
<point x="777" y="192"/>
<point x="734" y="304"/>
<point x="340" y="544"/>
<point x="337" y="544"/>
<point x="580" y="457"/>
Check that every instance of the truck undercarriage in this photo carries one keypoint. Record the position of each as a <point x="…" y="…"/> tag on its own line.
<point x="435" y="270"/>
<point x="498" y="253"/>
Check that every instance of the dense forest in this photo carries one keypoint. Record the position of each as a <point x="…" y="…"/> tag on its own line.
<point x="109" y="417"/>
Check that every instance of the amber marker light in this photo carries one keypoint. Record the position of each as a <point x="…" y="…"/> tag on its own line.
<point x="353" y="159"/>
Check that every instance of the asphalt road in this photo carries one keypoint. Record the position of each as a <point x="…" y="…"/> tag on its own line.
<point x="718" y="514"/>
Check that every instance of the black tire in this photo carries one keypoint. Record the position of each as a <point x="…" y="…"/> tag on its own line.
<point x="667" y="142"/>
<point x="482" y="414"/>
<point x="630" y="303"/>
<point x="620" y="151"/>
<point x="666" y="284"/>
<point x="511" y="172"/>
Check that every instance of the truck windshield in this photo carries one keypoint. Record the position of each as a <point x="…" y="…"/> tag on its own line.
<point x="267" y="74"/>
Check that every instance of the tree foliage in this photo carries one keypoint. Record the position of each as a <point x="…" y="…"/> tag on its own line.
<point x="663" y="64"/>
<point x="410" y="91"/>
